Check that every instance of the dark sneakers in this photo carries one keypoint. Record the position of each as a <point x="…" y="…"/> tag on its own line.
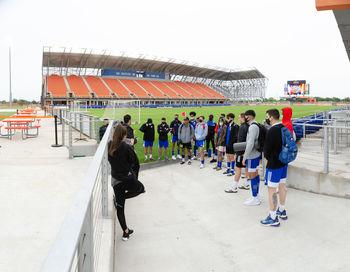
<point x="213" y="160"/>
<point x="127" y="235"/>
<point x="282" y="215"/>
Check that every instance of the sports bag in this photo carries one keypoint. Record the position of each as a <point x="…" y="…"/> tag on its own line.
<point x="262" y="136"/>
<point x="289" y="148"/>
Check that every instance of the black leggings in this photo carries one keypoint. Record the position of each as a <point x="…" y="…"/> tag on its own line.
<point x="207" y="141"/>
<point x="122" y="191"/>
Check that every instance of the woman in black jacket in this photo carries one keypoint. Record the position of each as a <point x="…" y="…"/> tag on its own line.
<point x="124" y="161"/>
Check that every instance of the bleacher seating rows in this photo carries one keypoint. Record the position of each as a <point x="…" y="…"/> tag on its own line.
<point x="56" y="86"/>
<point x="117" y="88"/>
<point x="127" y="88"/>
<point x="165" y="89"/>
<point x="198" y="89"/>
<point x="97" y="86"/>
<point x="134" y="88"/>
<point x="151" y="88"/>
<point x="179" y="90"/>
<point x="310" y="119"/>
<point x="190" y="90"/>
<point x="78" y="86"/>
<point x="205" y="87"/>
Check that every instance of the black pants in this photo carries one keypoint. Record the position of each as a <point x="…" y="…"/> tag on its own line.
<point x="131" y="187"/>
<point x="208" y="140"/>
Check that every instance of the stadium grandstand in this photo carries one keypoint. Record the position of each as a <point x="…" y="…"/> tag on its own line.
<point x="99" y="77"/>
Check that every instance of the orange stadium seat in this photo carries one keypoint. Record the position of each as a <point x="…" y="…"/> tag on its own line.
<point x="56" y="86"/>
<point x="205" y="87"/>
<point x="117" y="87"/>
<point x="192" y="91"/>
<point x="135" y="88"/>
<point x="97" y="86"/>
<point x="179" y="90"/>
<point x="150" y="88"/>
<point x="165" y="89"/>
<point x="78" y="86"/>
<point x="200" y="90"/>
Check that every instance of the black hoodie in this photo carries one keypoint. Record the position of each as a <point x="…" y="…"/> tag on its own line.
<point x="163" y="130"/>
<point x="148" y="132"/>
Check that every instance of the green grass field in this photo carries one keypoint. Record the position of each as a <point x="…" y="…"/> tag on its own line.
<point x="168" y="113"/>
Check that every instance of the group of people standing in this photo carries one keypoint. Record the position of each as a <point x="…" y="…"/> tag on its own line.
<point x="192" y="135"/>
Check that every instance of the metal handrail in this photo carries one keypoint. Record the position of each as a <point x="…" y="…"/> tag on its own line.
<point x="322" y="126"/>
<point x="63" y="251"/>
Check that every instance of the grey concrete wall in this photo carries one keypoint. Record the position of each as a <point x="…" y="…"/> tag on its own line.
<point x="303" y="178"/>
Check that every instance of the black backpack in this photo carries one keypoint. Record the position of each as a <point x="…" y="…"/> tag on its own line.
<point x="262" y="136"/>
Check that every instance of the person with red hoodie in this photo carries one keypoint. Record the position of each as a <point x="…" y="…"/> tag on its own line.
<point x="287" y="122"/>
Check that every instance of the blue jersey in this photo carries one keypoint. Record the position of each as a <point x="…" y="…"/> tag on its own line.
<point x="228" y="134"/>
<point x="174" y="127"/>
<point x="193" y="123"/>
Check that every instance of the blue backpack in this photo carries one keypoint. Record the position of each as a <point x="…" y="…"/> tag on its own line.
<point x="289" y="148"/>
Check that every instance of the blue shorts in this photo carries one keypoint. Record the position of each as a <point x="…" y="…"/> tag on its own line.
<point x="273" y="177"/>
<point x="147" y="143"/>
<point x="174" y="139"/>
<point x="200" y="143"/>
<point x="164" y="144"/>
<point x="252" y="164"/>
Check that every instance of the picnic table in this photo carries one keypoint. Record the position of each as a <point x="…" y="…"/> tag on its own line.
<point x="21" y="124"/>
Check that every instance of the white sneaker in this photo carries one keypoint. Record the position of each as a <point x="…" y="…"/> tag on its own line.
<point x="173" y="157"/>
<point x="179" y="156"/>
<point x="194" y="157"/>
<point x="254" y="201"/>
<point x="202" y="166"/>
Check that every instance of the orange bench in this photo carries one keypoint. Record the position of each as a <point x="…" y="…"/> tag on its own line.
<point x="37" y="126"/>
<point x="22" y="128"/>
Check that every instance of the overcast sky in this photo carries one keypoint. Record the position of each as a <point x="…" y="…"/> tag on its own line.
<point x="285" y="40"/>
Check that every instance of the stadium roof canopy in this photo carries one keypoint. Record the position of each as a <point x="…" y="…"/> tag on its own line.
<point x="88" y="59"/>
<point x="341" y="10"/>
<point x="343" y="20"/>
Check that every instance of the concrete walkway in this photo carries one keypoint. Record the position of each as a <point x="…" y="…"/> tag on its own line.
<point x="37" y="186"/>
<point x="185" y="222"/>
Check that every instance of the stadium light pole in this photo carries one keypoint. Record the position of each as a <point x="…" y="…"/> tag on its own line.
<point x="10" y="83"/>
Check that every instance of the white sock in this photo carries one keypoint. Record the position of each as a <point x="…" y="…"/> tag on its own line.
<point x="215" y="157"/>
<point x="150" y="156"/>
<point x="246" y="182"/>
<point x="235" y="184"/>
<point x="281" y="208"/>
<point x="273" y="214"/>
<point x="145" y="157"/>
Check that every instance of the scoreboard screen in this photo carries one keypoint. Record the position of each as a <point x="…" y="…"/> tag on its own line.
<point x="297" y="88"/>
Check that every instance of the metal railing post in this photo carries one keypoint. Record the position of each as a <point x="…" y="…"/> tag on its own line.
<point x="304" y="130"/>
<point x="90" y="127"/>
<point x="97" y="130"/>
<point x="335" y="138"/>
<point x="70" y="140"/>
<point x="326" y="151"/>
<point x="104" y="184"/>
<point x="63" y="132"/>
<point x="60" y="114"/>
<point x="86" y="252"/>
